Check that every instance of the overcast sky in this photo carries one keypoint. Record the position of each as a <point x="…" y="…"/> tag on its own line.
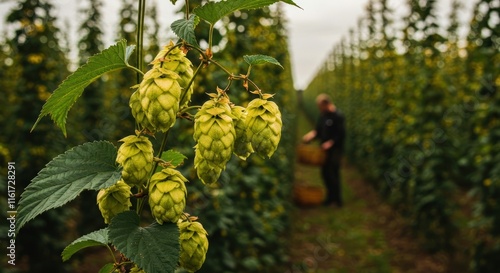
<point x="313" y="30"/>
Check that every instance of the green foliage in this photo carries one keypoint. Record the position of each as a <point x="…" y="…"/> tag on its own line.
<point x="154" y="248"/>
<point x="96" y="238"/>
<point x="173" y="158"/>
<point x="184" y="29"/>
<point x="260" y="59"/>
<point x="214" y="11"/>
<point x="90" y="166"/>
<point x="481" y="156"/>
<point x="35" y="64"/>
<point x="107" y="268"/>
<point x="60" y="102"/>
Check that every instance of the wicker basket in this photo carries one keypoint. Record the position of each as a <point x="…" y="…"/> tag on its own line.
<point x="304" y="195"/>
<point x="310" y="154"/>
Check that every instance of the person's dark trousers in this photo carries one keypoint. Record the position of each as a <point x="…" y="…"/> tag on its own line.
<point x="330" y="172"/>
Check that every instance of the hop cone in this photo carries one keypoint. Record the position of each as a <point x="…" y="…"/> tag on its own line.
<point x="194" y="245"/>
<point x="264" y="126"/>
<point x="136" y="157"/>
<point x="207" y="171"/>
<point x="160" y="93"/>
<point x="242" y="147"/>
<point x="136" y="269"/>
<point x="175" y="60"/>
<point x="214" y="133"/>
<point x="167" y="195"/>
<point x="137" y="111"/>
<point x="114" y="200"/>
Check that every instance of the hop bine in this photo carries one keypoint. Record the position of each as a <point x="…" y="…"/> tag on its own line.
<point x="264" y="124"/>
<point x="174" y="59"/>
<point x="167" y="195"/>
<point x="215" y="135"/>
<point x="194" y="245"/>
<point x="136" y="157"/>
<point x="113" y="200"/>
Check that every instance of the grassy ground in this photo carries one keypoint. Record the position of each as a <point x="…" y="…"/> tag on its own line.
<point x="329" y="239"/>
<point x="365" y="235"/>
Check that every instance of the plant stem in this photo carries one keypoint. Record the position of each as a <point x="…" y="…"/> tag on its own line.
<point x="140" y="64"/>
<point x="112" y="253"/>
<point x="140" y="37"/>
<point x="256" y="87"/>
<point x="191" y="81"/>
<point x="139" y="72"/>
<point x="210" y="39"/>
<point x="184" y="110"/>
<point x="223" y="68"/>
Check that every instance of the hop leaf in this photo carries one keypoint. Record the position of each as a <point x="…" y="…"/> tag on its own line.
<point x="114" y="200"/>
<point x="194" y="245"/>
<point x="167" y="195"/>
<point x="264" y="126"/>
<point x="136" y="157"/>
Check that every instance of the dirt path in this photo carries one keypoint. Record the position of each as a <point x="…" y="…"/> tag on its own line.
<point x="366" y="235"/>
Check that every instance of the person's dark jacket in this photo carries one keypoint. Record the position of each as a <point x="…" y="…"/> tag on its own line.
<point x="331" y="125"/>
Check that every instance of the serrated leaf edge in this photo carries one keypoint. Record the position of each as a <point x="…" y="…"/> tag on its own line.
<point x="83" y="239"/>
<point x="60" y="121"/>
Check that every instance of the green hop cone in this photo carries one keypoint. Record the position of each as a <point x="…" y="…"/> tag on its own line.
<point x="136" y="157"/>
<point x="160" y="93"/>
<point x="114" y="200"/>
<point x="215" y="135"/>
<point x="137" y="111"/>
<point x="136" y="269"/>
<point x="167" y="195"/>
<point x="208" y="172"/>
<point x="174" y="59"/>
<point x="264" y="126"/>
<point x="242" y="147"/>
<point x="194" y="245"/>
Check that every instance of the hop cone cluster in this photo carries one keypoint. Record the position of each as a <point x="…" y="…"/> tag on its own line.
<point x="242" y="147"/>
<point x="263" y="126"/>
<point x="174" y="59"/>
<point x="194" y="245"/>
<point x="215" y="134"/>
<point x="159" y="95"/>
<point x="167" y="195"/>
<point x="136" y="157"/>
<point x="114" y="200"/>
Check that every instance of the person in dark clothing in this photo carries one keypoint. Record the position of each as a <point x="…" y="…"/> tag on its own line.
<point x="330" y="131"/>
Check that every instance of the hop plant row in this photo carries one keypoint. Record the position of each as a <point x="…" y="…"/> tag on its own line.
<point x="221" y="129"/>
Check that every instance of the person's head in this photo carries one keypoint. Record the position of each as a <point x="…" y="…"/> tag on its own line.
<point x="325" y="103"/>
